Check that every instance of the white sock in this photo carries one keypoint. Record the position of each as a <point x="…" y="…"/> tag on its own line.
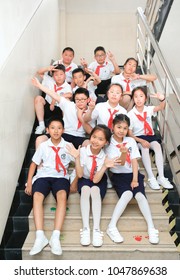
<point x="146" y="161"/>
<point x="42" y="124"/>
<point x="96" y="207"/>
<point x="158" y="157"/>
<point x="55" y="234"/>
<point x="120" y="207"/>
<point x="40" y="234"/>
<point x="145" y="210"/>
<point x="85" y="205"/>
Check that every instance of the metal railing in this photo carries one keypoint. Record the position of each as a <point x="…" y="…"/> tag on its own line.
<point x="151" y="60"/>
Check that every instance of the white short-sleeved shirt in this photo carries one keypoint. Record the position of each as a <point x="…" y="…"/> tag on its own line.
<point x="113" y="151"/>
<point x="68" y="68"/>
<point x="50" y="83"/>
<point x="86" y="160"/>
<point x="70" y="118"/>
<point x="119" y="79"/>
<point x="105" y="71"/>
<point x="136" y="125"/>
<point x="101" y="113"/>
<point x="46" y="155"/>
<point x="91" y="88"/>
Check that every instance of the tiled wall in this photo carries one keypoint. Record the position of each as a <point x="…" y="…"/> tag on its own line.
<point x="35" y="43"/>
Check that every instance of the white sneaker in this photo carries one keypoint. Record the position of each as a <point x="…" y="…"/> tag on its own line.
<point x="39" y="244"/>
<point x="153" y="236"/>
<point x="85" y="237"/>
<point x="164" y="182"/>
<point x="55" y="246"/>
<point x="114" y="234"/>
<point x="97" y="238"/>
<point x="40" y="130"/>
<point x="152" y="182"/>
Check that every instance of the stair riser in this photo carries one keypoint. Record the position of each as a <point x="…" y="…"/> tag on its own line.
<point x="124" y="224"/>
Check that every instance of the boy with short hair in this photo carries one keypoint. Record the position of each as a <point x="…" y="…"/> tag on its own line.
<point x="67" y="61"/>
<point x="73" y="113"/>
<point x="102" y="67"/>
<point x="79" y="78"/>
<point x="52" y="176"/>
<point x="47" y="107"/>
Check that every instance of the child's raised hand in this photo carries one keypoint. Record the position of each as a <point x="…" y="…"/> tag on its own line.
<point x="92" y="104"/>
<point x="83" y="62"/>
<point x="158" y="95"/>
<point x="112" y="162"/>
<point x="35" y="82"/>
<point x="110" y="55"/>
<point x="73" y="151"/>
<point x="123" y="149"/>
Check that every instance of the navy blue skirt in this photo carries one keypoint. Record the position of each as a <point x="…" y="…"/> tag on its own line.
<point x="122" y="182"/>
<point x="87" y="182"/>
<point x="150" y="138"/>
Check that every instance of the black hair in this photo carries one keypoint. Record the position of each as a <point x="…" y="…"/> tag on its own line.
<point x="121" y="118"/>
<point x="143" y="89"/>
<point x="81" y="90"/>
<point x="102" y="127"/>
<point x="99" y="49"/>
<point x="56" y="119"/>
<point x="68" y="49"/>
<point x="59" y="67"/>
<point x="115" y="84"/>
<point x="78" y="70"/>
<point x="131" y="58"/>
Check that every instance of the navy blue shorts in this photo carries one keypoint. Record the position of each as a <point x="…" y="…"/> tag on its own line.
<point x="75" y="140"/>
<point x="122" y="182"/>
<point x="150" y="138"/>
<point x="46" y="184"/>
<point x="87" y="182"/>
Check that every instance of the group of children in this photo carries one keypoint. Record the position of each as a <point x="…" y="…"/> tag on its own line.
<point x="102" y="135"/>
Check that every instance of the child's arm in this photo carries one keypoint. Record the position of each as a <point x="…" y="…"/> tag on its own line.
<point x="147" y="77"/>
<point x="108" y="163"/>
<point x="83" y="62"/>
<point x="43" y="70"/>
<point x="111" y="57"/>
<point x="49" y="92"/>
<point x="162" y="100"/>
<point x="32" y="169"/>
<point x="143" y="142"/>
<point x="96" y="79"/>
<point x="87" y="115"/>
<point x="68" y="95"/>
<point x="76" y="154"/>
<point x="87" y="127"/>
<point x="134" y="182"/>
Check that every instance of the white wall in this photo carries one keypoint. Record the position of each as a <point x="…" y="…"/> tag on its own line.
<point x="29" y="39"/>
<point x="88" y="24"/>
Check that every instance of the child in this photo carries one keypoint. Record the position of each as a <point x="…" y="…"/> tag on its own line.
<point x="67" y="61"/>
<point x="129" y="79"/>
<point x="91" y="164"/>
<point x="127" y="180"/>
<point x="104" y="112"/>
<point x="51" y="176"/>
<point x="73" y="114"/>
<point x="103" y="68"/>
<point x="142" y="131"/>
<point x="45" y="108"/>
<point x="79" y="79"/>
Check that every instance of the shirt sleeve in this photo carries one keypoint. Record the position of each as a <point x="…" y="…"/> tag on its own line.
<point x="37" y="157"/>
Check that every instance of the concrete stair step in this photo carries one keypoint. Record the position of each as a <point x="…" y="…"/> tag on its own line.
<point x="135" y="246"/>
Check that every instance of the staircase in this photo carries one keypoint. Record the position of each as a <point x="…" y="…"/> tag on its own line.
<point x="132" y="227"/>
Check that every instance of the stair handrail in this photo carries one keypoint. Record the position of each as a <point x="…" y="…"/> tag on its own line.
<point x="147" y="59"/>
